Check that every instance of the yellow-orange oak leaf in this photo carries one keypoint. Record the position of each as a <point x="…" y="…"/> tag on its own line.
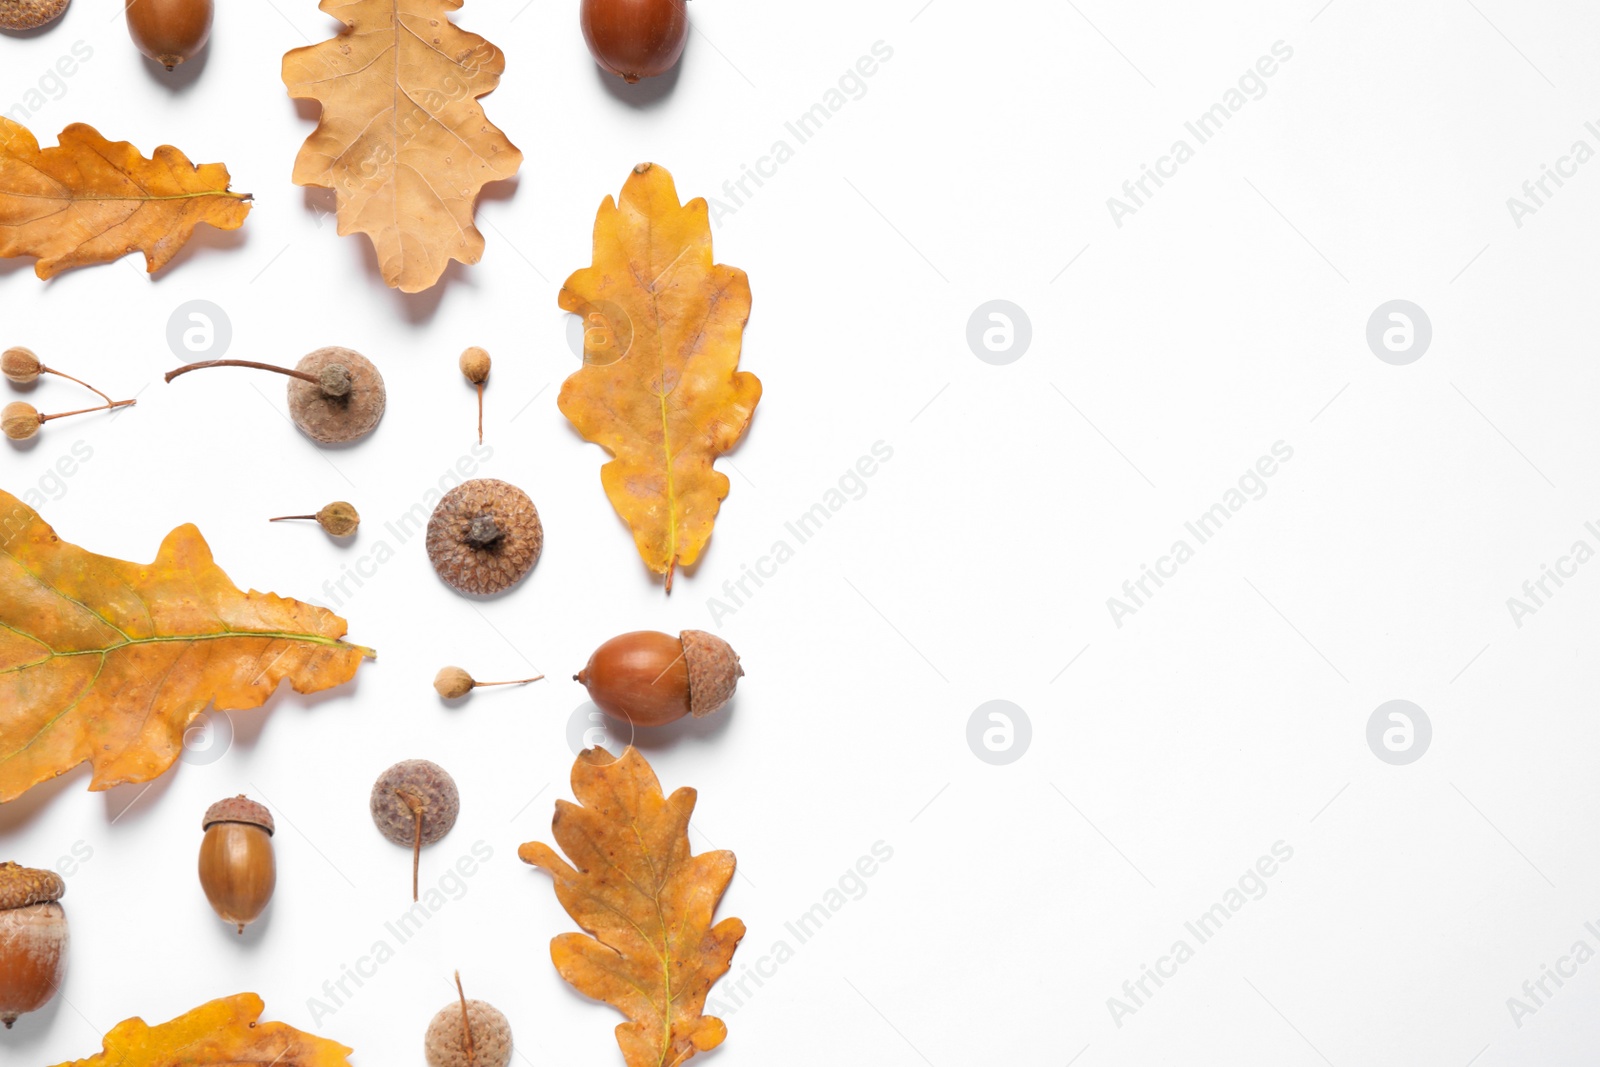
<point x="89" y="200"/>
<point x="222" y="1033"/>
<point x="109" y="662"/>
<point x="646" y="903"/>
<point x="660" y="387"/>
<point x="402" y="140"/>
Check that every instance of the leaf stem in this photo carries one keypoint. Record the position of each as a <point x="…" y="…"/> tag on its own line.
<point x="302" y="375"/>
<point x="417" y="806"/>
<point x="480" y="413"/>
<point x="80" y="381"/>
<point x="466" y="1023"/>
<point x="519" y="681"/>
<point x="282" y="518"/>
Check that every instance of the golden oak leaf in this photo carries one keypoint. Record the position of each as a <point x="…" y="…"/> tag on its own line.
<point x="402" y="140"/>
<point x="653" y="954"/>
<point x="222" y="1033"/>
<point x="660" y="387"/>
<point x="90" y="200"/>
<point x="108" y="662"/>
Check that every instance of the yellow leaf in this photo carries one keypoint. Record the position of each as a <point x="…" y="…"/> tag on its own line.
<point x="108" y="662"/>
<point x="660" y="387"/>
<point x="648" y="903"/>
<point x="89" y="200"/>
<point x="222" y="1033"/>
<point x="402" y="140"/>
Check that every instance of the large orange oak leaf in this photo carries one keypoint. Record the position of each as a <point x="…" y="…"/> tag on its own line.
<point x="107" y="661"/>
<point x="646" y="904"/>
<point x="222" y="1033"/>
<point x="89" y="200"/>
<point x="402" y="140"/>
<point x="660" y="387"/>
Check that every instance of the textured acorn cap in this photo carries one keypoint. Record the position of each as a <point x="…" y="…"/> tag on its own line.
<point x="20" y="365"/>
<point x="714" y="671"/>
<point x="491" y="1036"/>
<point x="29" y="14"/>
<point x="238" y="809"/>
<point x="21" y="887"/>
<point x="334" y="420"/>
<point x="427" y="780"/>
<point x="472" y="511"/>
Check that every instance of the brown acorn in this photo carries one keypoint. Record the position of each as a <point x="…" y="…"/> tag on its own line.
<point x="237" y="868"/>
<point x="169" y="31"/>
<point x="33" y="939"/>
<point x="650" y="678"/>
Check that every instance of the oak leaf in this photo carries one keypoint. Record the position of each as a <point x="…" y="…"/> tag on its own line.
<point x="89" y="200"/>
<point x="222" y="1033"/>
<point x="647" y="904"/>
<point x="660" y="387"/>
<point x="402" y="140"/>
<point x="109" y="662"/>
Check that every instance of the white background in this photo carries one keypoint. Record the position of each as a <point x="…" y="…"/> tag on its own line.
<point x="1228" y="714"/>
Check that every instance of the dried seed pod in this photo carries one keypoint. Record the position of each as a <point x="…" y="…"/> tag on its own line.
<point x="20" y="420"/>
<point x="650" y="678"/>
<point x="484" y="536"/>
<point x="469" y="1033"/>
<point x="29" y="14"/>
<point x="336" y="394"/>
<point x="453" y="682"/>
<point x="475" y="367"/>
<point x="33" y="939"/>
<point x="339" y="518"/>
<point x="237" y="868"/>
<point x="415" y="803"/>
<point x="22" y="367"/>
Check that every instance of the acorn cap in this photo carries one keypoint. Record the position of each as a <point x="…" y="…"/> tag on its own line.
<point x="29" y="14"/>
<point x="238" y="809"/>
<point x="21" y="887"/>
<point x="491" y="1037"/>
<point x="713" y="671"/>
<point x="429" y="782"/>
<point x="484" y="536"/>
<point x="334" y="420"/>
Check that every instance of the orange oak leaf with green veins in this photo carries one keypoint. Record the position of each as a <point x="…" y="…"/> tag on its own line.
<point x="402" y="140"/>
<point x="109" y="662"/>
<point x="89" y="200"/>
<point x="660" y="387"/>
<point x="222" y="1033"/>
<point x="646" y="903"/>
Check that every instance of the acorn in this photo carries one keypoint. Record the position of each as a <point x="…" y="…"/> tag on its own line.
<point x="33" y="939"/>
<point x="484" y="536"/>
<point x="237" y="869"/>
<point x="415" y="803"/>
<point x="650" y="678"/>
<point x="169" y="31"/>
<point x="468" y="1033"/>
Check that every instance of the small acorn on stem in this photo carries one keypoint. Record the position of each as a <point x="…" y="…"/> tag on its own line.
<point x="336" y="395"/>
<point x="475" y="367"/>
<point x="339" y="518"/>
<point x="453" y="682"/>
<point x="237" y="868"/>
<point x="650" y="678"/>
<point x="22" y="367"/>
<point x="33" y="939"/>
<point x="21" y="420"/>
<point x="415" y="803"/>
